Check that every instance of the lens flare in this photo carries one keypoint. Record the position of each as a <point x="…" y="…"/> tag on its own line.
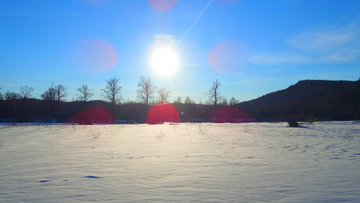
<point x="95" y="56"/>
<point x="227" y="57"/>
<point x="97" y="114"/>
<point x="162" y="113"/>
<point x="162" y="5"/>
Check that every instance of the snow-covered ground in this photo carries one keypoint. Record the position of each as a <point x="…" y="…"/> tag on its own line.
<point x="248" y="162"/>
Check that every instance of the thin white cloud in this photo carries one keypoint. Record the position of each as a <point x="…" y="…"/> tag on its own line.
<point x="334" y="57"/>
<point x="324" y="39"/>
<point x="322" y="45"/>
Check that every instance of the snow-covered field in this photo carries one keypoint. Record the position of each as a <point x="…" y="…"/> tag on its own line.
<point x="248" y="162"/>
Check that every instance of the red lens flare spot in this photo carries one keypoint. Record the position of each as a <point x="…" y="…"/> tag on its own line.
<point x="162" y="5"/>
<point x="230" y="114"/>
<point x="95" y="56"/>
<point x="227" y="57"/>
<point x="92" y="115"/>
<point x="162" y="113"/>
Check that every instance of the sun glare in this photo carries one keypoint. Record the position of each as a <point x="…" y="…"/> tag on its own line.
<point x="164" y="61"/>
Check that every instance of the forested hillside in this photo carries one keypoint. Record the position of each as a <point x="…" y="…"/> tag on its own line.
<point x="309" y="100"/>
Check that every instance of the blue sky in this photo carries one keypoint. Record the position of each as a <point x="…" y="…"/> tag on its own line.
<point x="253" y="47"/>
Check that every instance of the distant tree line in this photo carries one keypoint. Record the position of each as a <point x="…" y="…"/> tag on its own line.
<point x="22" y="107"/>
<point x="304" y="101"/>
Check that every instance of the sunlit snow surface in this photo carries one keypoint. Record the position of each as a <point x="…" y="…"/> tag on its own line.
<point x="254" y="162"/>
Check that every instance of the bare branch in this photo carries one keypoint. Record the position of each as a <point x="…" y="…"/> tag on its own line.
<point x="11" y="95"/>
<point x="85" y="93"/>
<point x="163" y="95"/>
<point x="112" y="90"/>
<point x="60" y="92"/>
<point x="26" y="92"/>
<point x="214" y="94"/>
<point x="146" y="89"/>
<point x="49" y="94"/>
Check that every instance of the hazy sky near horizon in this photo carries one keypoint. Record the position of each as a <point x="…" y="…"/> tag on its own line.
<point x="253" y="47"/>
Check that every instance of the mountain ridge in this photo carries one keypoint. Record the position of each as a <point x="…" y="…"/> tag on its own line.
<point x="298" y="87"/>
<point x="313" y="97"/>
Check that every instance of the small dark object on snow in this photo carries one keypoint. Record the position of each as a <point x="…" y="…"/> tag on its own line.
<point x="95" y="177"/>
<point x="293" y="123"/>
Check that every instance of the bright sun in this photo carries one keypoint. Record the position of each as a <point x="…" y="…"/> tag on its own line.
<point x="164" y="61"/>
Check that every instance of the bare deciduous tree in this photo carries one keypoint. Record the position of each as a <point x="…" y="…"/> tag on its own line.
<point x="60" y="92"/>
<point x="146" y="89"/>
<point x="163" y="95"/>
<point x="11" y="95"/>
<point x="49" y="94"/>
<point x="54" y="93"/>
<point x="85" y="93"/>
<point x="233" y="101"/>
<point x="26" y="92"/>
<point x="112" y="90"/>
<point x="214" y="94"/>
